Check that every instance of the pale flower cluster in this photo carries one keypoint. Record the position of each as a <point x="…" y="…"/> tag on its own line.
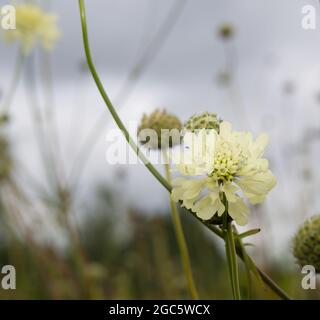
<point x="33" y="26"/>
<point x="220" y="169"/>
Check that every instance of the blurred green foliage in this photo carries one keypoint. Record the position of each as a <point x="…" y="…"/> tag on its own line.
<point x="139" y="260"/>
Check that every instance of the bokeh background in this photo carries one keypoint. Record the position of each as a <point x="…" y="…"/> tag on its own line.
<point x="77" y="227"/>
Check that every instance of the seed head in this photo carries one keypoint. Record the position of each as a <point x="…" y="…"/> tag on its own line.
<point x="4" y="118"/>
<point x="205" y="120"/>
<point x="306" y="243"/>
<point x="160" y="121"/>
<point x="226" y="31"/>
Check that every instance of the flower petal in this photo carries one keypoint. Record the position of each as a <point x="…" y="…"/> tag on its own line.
<point x="239" y="212"/>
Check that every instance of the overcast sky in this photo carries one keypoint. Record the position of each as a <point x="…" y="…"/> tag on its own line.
<point x="271" y="54"/>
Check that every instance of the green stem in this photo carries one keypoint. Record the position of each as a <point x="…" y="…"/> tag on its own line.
<point x="231" y="254"/>
<point x="109" y="104"/>
<point x="232" y="261"/>
<point x="185" y="258"/>
<point x="266" y="279"/>
<point x="230" y="266"/>
<point x="156" y="174"/>
<point x="246" y="262"/>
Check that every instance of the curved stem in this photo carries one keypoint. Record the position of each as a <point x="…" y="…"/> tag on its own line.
<point x="185" y="257"/>
<point x="136" y="72"/>
<point x="266" y="279"/>
<point x="156" y="174"/>
<point x="109" y="104"/>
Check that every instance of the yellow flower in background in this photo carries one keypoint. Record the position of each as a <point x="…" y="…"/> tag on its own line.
<point x="33" y="26"/>
<point x="218" y="164"/>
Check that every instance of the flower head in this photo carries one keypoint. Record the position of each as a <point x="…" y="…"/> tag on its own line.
<point x="204" y="120"/>
<point x="226" y="31"/>
<point x="306" y="244"/>
<point x="156" y="129"/>
<point x="216" y="167"/>
<point x="4" y="118"/>
<point x="33" y="25"/>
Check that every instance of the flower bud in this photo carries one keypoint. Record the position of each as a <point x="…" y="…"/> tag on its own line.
<point x="4" y="119"/>
<point x="306" y="243"/>
<point x="205" y="120"/>
<point x="161" y="123"/>
<point x="226" y="31"/>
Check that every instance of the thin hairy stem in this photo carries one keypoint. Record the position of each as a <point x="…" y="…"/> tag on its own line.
<point x="231" y="254"/>
<point x="40" y="133"/>
<point x="49" y="114"/>
<point x="185" y="257"/>
<point x="232" y="261"/>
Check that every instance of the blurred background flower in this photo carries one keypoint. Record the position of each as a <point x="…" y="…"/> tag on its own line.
<point x="33" y="25"/>
<point x="306" y="243"/>
<point x="162" y="123"/>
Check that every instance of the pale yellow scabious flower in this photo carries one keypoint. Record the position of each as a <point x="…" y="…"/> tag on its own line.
<point x="225" y="163"/>
<point x="33" y="26"/>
